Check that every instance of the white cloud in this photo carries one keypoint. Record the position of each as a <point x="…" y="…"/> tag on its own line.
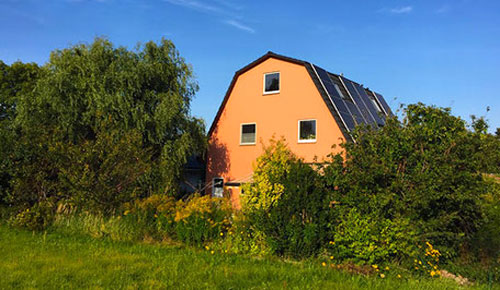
<point x="401" y="10"/>
<point x="225" y="9"/>
<point x="192" y="4"/>
<point x="239" y="25"/>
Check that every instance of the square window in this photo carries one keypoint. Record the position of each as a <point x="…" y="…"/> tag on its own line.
<point x="248" y="134"/>
<point x="218" y="187"/>
<point x="272" y="83"/>
<point x="307" y="131"/>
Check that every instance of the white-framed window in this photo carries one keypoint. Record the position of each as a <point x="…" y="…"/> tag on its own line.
<point x="375" y="104"/>
<point x="272" y="83"/>
<point x="248" y="134"/>
<point x="218" y="187"/>
<point x="307" y="131"/>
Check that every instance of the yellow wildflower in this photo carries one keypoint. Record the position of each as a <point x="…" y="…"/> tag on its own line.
<point x="221" y="234"/>
<point x="374" y="266"/>
<point x="212" y="252"/>
<point x="331" y="257"/>
<point x="433" y="273"/>
<point x="382" y="276"/>
<point x="387" y="268"/>
<point x="323" y="264"/>
<point x="399" y="276"/>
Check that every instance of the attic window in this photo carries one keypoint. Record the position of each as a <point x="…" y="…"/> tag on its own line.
<point x="272" y="83"/>
<point x="307" y="131"/>
<point x="248" y="134"/>
<point x="375" y="104"/>
<point x="340" y="93"/>
<point x="218" y="187"/>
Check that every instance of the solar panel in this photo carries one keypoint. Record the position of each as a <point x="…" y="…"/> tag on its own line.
<point x="356" y="114"/>
<point x="386" y="107"/>
<point x="369" y="104"/>
<point x="359" y="102"/>
<point x="348" y="120"/>
<point x="336" y="99"/>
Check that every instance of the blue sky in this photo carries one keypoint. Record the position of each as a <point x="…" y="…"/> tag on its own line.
<point x="438" y="52"/>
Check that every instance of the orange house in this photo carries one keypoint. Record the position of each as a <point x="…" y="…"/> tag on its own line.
<point x="282" y="96"/>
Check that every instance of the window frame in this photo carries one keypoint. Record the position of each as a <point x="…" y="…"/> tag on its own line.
<point x="241" y="134"/>
<point x="213" y="187"/>
<point x="315" y="129"/>
<point x="342" y="96"/>
<point x="264" y="83"/>
<point x="378" y="108"/>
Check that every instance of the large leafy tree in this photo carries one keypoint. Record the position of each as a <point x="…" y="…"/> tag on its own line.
<point x="148" y="89"/>
<point x="97" y="125"/>
<point x="426" y="168"/>
<point x="16" y="80"/>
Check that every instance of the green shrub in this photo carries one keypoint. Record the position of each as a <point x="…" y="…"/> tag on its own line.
<point x="370" y="239"/>
<point x="37" y="218"/>
<point x="423" y="169"/>
<point x="288" y="203"/>
<point x="485" y="245"/>
<point x="202" y="219"/>
<point x="268" y="172"/>
<point x="242" y="238"/>
<point x="154" y="214"/>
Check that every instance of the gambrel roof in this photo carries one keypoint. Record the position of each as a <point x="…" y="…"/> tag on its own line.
<point x="349" y="102"/>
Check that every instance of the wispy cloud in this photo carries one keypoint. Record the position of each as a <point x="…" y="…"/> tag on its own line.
<point x="226" y="10"/>
<point x="229" y="4"/>
<point x="240" y="26"/>
<point x="401" y="10"/>
<point x="203" y="7"/>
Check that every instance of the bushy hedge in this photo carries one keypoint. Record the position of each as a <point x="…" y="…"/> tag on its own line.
<point x="288" y="203"/>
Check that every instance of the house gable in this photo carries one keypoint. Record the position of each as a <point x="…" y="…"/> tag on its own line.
<point x="274" y="115"/>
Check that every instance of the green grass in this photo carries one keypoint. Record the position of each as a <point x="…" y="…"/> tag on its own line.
<point x="55" y="260"/>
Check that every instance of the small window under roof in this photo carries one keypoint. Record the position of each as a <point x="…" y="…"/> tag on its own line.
<point x="375" y="104"/>
<point x="272" y="83"/>
<point x="340" y="92"/>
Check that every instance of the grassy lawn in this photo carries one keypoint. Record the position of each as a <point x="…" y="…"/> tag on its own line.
<point x="53" y="260"/>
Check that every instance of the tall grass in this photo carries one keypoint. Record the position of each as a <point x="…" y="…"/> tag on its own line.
<point x="118" y="228"/>
<point x="55" y="260"/>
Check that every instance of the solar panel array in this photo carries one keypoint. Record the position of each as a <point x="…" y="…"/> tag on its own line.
<point x="357" y="108"/>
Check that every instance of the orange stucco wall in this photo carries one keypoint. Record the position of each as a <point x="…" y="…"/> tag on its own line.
<point x="275" y="114"/>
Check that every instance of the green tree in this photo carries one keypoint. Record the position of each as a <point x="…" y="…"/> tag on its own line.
<point x="16" y="81"/>
<point x="149" y="90"/>
<point x="424" y="168"/>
